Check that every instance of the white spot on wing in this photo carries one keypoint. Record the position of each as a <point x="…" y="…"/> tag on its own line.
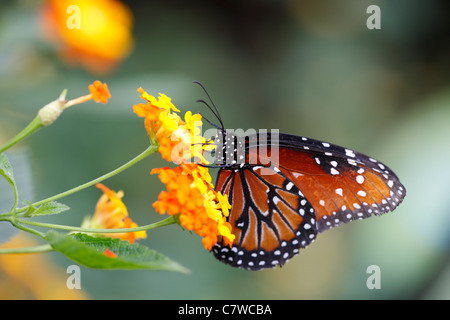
<point x="360" y="179"/>
<point x="349" y="153"/>
<point x="333" y="171"/>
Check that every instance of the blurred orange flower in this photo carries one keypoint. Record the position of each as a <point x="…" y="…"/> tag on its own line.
<point x="111" y="213"/>
<point x="95" y="34"/>
<point x="32" y="276"/>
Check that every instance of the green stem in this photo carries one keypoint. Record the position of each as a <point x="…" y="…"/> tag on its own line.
<point x="165" y="222"/>
<point x="150" y="150"/>
<point x="33" y="126"/>
<point x="12" y="219"/>
<point x="38" y="122"/>
<point x="37" y="249"/>
<point x="29" y="230"/>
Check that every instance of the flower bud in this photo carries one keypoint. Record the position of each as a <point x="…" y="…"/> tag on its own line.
<point x="50" y="112"/>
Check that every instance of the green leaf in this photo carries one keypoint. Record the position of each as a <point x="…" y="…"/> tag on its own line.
<point x="5" y="167"/>
<point x="52" y="207"/>
<point x="7" y="172"/>
<point x="89" y="252"/>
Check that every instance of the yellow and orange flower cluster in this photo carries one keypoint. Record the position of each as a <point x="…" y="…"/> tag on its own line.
<point x="179" y="141"/>
<point x="190" y="193"/>
<point x="95" y="34"/>
<point x="111" y="213"/>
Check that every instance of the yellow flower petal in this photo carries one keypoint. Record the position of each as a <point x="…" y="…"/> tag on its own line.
<point x="111" y="213"/>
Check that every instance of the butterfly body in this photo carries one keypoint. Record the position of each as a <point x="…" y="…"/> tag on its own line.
<point x="285" y="189"/>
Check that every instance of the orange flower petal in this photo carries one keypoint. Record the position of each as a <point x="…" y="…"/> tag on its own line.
<point x="111" y="213"/>
<point x="99" y="91"/>
<point x="109" y="253"/>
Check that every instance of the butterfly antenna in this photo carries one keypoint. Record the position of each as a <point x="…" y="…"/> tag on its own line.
<point x="211" y="123"/>
<point x="215" y="111"/>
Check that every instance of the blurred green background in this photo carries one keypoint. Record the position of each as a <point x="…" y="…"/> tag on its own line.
<point x="308" y="68"/>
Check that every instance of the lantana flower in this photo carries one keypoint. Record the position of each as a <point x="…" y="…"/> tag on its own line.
<point x="111" y="213"/>
<point x="179" y="141"/>
<point x="98" y="92"/>
<point x="95" y="34"/>
<point x="190" y="193"/>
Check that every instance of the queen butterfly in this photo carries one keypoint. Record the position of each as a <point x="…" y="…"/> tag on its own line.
<point x="279" y="206"/>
